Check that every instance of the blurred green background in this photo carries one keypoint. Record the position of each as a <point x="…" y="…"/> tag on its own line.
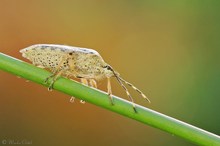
<point x="169" y="49"/>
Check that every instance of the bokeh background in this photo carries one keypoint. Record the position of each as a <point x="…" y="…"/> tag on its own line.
<point x="169" y="49"/>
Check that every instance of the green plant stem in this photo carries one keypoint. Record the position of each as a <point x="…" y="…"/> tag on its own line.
<point x="99" y="98"/>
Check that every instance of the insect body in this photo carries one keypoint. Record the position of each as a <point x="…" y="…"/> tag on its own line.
<point x="82" y="63"/>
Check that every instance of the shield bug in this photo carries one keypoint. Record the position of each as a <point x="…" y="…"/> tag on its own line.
<point x="77" y="62"/>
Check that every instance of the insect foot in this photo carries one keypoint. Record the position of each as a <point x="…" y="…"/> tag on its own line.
<point x="82" y="101"/>
<point x="134" y="108"/>
<point x="72" y="99"/>
<point x="111" y="99"/>
<point x="51" y="84"/>
<point x="50" y="88"/>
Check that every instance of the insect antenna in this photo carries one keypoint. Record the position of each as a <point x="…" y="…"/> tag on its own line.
<point x="135" y="88"/>
<point x="123" y="86"/>
<point x="126" y="90"/>
<point x="120" y="80"/>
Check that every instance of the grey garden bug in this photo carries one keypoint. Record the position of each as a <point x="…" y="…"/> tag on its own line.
<point x="76" y="62"/>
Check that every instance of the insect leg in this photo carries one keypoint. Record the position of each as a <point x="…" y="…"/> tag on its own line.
<point x="92" y="83"/>
<point x="109" y="90"/>
<point x="54" y="79"/>
<point x="57" y="72"/>
<point x="84" y="81"/>
<point x="51" y="76"/>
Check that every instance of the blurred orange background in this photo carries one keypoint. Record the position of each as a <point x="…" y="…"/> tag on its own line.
<point x="170" y="50"/>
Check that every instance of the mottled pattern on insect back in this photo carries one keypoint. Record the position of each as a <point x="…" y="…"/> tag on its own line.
<point x="76" y="62"/>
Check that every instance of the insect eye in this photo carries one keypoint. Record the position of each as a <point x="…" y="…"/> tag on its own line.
<point x="107" y="67"/>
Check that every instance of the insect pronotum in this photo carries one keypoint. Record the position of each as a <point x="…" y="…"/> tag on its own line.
<point x="76" y="62"/>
